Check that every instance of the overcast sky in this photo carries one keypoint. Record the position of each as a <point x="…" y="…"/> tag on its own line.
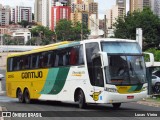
<point x="103" y="5"/>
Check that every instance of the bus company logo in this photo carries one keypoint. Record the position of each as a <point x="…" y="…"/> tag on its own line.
<point x="26" y="75"/>
<point x="80" y="73"/>
<point x="95" y="95"/>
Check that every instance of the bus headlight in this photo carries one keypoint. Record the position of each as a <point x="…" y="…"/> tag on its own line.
<point x="111" y="90"/>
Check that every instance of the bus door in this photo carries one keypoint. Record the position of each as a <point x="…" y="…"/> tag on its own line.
<point x="95" y="72"/>
<point x="98" y="79"/>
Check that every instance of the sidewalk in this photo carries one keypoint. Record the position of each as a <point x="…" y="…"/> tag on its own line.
<point x="151" y="101"/>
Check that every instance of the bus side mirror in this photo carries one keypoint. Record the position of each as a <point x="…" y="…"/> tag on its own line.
<point x="151" y="59"/>
<point x="104" y="59"/>
<point x="103" y="56"/>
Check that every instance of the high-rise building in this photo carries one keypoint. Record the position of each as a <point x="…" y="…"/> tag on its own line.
<point x="58" y="13"/>
<point x="4" y="15"/>
<point x="81" y="17"/>
<point x="64" y="2"/>
<point x="121" y="7"/>
<point x="20" y="13"/>
<point x="38" y="11"/>
<point x="79" y="7"/>
<point x="146" y="3"/>
<point x="93" y="8"/>
<point x="111" y="16"/>
<point x="45" y="13"/>
<point x="155" y="6"/>
<point x="139" y="5"/>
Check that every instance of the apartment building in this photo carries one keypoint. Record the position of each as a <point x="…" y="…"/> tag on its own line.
<point x="4" y="15"/>
<point x="38" y="11"/>
<point x="20" y="13"/>
<point x="58" y="13"/>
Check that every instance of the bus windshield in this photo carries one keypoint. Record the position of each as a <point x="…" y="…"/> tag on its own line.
<point x="126" y="64"/>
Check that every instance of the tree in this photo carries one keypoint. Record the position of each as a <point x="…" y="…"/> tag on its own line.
<point x="150" y="24"/>
<point x="65" y="30"/>
<point x="78" y="28"/>
<point x="43" y="33"/>
<point x="24" y="23"/>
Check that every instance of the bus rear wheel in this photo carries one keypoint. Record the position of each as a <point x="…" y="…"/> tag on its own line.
<point x="20" y="96"/>
<point x="27" y="96"/>
<point x="116" y="105"/>
<point x="81" y="99"/>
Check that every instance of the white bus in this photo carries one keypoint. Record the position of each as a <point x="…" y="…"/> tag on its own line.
<point x="90" y="71"/>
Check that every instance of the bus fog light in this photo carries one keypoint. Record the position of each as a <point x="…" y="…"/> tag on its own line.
<point x="111" y="90"/>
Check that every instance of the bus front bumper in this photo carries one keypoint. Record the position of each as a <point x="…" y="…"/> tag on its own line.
<point x="110" y="97"/>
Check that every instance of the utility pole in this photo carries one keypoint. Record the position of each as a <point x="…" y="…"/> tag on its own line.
<point x="105" y="26"/>
<point x="82" y="30"/>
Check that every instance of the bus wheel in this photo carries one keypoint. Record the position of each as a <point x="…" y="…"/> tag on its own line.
<point x="81" y="99"/>
<point x="27" y="96"/>
<point x="116" y="105"/>
<point x="20" y="96"/>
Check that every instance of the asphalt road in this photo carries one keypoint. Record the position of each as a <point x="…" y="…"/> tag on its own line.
<point x="71" y="111"/>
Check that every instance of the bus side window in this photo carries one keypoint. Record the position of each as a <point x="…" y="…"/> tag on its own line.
<point x="73" y="56"/>
<point x="81" y="55"/>
<point x="15" y="63"/>
<point x="41" y="60"/>
<point x="61" y="58"/>
<point x="26" y="62"/>
<point x="21" y="63"/>
<point x="51" y="59"/>
<point x="45" y="59"/>
<point x="10" y="64"/>
<point x="34" y="61"/>
<point x="91" y="48"/>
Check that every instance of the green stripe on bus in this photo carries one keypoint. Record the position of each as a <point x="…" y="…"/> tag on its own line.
<point x="133" y="88"/>
<point x="50" y="81"/>
<point x="139" y="87"/>
<point x="55" y="80"/>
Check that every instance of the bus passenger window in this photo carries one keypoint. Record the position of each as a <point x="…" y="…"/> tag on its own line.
<point x="56" y="60"/>
<point x="26" y="62"/>
<point x="34" y="61"/>
<point x="51" y="59"/>
<point x="60" y="62"/>
<point x="81" y="55"/>
<point x="10" y="64"/>
<point x="73" y="57"/>
<point x="21" y="64"/>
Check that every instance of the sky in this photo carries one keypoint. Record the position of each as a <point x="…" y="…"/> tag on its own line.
<point x="103" y="5"/>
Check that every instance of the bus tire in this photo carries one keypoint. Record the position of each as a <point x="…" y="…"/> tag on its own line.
<point x="20" y="96"/>
<point x="27" y="96"/>
<point x="116" y="105"/>
<point x="81" y="99"/>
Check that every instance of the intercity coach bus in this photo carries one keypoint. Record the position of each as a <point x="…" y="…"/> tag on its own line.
<point x="90" y="71"/>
